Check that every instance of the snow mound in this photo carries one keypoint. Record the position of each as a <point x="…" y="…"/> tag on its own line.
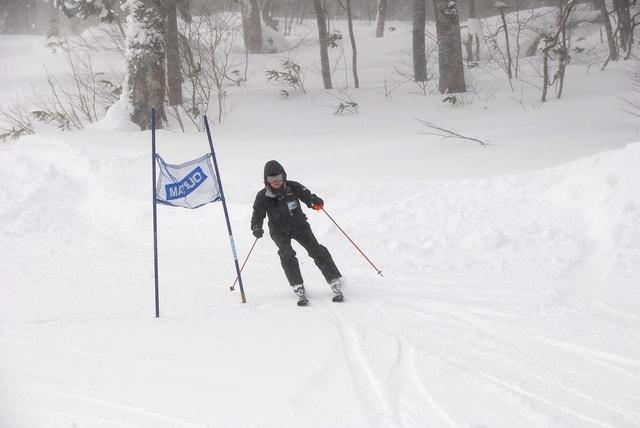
<point x="118" y="117"/>
<point x="542" y="222"/>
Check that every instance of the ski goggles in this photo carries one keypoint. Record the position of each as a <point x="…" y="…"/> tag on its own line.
<point x="273" y="179"/>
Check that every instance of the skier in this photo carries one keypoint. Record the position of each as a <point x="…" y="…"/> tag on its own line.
<point x="280" y="201"/>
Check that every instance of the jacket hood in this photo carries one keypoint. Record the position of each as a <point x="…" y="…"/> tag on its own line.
<point x="273" y="167"/>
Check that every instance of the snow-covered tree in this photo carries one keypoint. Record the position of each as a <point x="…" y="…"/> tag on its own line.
<point x="145" y="60"/>
<point x="148" y="23"/>
<point x="105" y="9"/>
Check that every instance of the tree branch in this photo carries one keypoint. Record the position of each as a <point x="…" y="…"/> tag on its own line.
<point x="448" y="133"/>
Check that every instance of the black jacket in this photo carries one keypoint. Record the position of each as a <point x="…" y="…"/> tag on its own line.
<point x="282" y="205"/>
<point x="283" y="208"/>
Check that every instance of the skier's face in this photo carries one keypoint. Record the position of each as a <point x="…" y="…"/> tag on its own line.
<point x="275" y="181"/>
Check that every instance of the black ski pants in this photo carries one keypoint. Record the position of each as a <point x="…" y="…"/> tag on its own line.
<point x="319" y="253"/>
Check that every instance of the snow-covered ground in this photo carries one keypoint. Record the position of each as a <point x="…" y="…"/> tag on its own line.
<point x="510" y="295"/>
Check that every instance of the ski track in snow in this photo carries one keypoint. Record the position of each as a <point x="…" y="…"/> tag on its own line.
<point x="541" y="372"/>
<point x="371" y="392"/>
<point x="405" y="364"/>
<point x="515" y="359"/>
<point x="481" y="343"/>
<point x="381" y="397"/>
<point x="533" y="373"/>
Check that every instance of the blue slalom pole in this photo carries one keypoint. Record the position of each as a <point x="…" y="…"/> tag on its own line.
<point x="155" y="216"/>
<point x="226" y="212"/>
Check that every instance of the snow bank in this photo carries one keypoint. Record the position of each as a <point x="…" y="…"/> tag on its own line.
<point x="546" y="218"/>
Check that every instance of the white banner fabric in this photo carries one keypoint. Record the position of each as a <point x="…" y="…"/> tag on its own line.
<point x="188" y="185"/>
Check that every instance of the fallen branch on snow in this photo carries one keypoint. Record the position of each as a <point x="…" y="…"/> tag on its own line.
<point x="448" y="133"/>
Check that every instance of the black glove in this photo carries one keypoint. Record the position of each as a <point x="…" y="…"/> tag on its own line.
<point x="257" y="231"/>
<point x="316" y="202"/>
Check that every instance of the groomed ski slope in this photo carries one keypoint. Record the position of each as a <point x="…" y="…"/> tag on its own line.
<point x="510" y="292"/>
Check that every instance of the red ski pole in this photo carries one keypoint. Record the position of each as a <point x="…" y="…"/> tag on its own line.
<point x="350" y="240"/>
<point x="244" y="263"/>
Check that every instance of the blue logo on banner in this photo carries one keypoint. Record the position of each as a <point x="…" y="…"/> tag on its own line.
<point x="185" y="186"/>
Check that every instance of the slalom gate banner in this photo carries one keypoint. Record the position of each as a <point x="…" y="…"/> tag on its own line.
<point x="189" y="185"/>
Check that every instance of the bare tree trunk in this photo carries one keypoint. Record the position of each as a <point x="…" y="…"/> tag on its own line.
<point x="145" y="62"/>
<point x="354" y="59"/>
<point x="551" y="41"/>
<point x="382" y="18"/>
<point x="613" y="49"/>
<point x="419" y="54"/>
<point x="631" y="40"/>
<point x="545" y="74"/>
<point x="302" y="10"/>
<point x="288" y="16"/>
<point x="477" y="28"/>
<point x="506" y="38"/>
<point x="327" y="14"/>
<point x="324" y="48"/>
<point x="562" y="61"/>
<point x="252" y="26"/>
<point x="267" y="15"/>
<point x="624" y="21"/>
<point x="450" y="62"/>
<point x="368" y="7"/>
<point x="468" y="44"/>
<point x="172" y="54"/>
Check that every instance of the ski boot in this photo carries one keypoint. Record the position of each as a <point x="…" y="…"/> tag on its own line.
<point x="299" y="291"/>
<point x="336" y="287"/>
